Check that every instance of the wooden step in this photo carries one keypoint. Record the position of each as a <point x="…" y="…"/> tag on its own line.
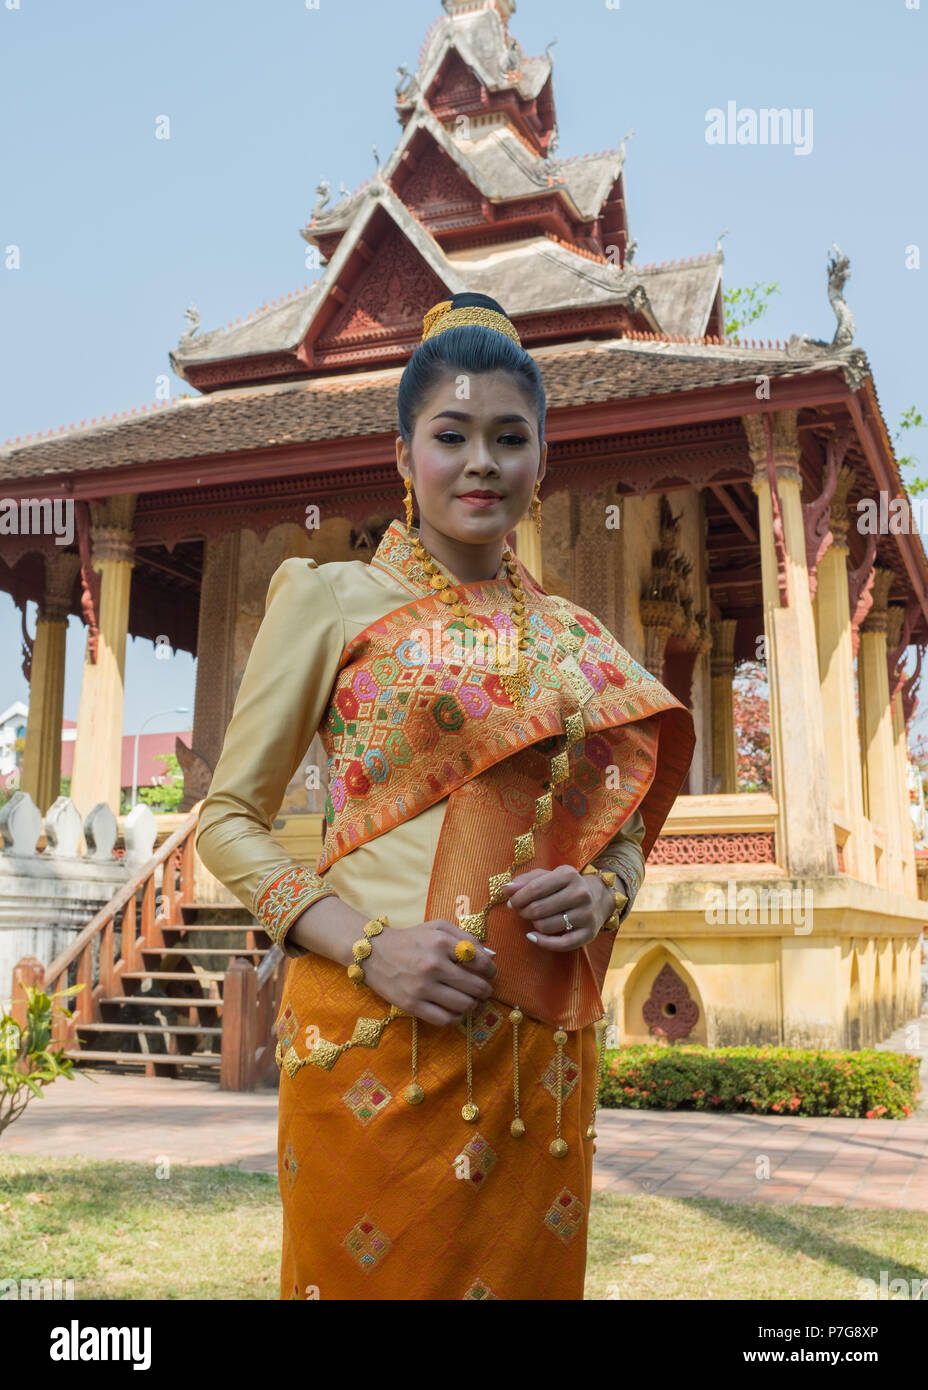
<point x="140" y="1058"/>
<point x="170" y="1001"/>
<point x="188" y="975"/>
<point x="187" y="927"/>
<point x="180" y="949"/>
<point x="165" y="1030"/>
<point x="215" y="907"/>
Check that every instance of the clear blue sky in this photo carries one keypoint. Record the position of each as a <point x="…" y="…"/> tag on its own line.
<point x="119" y="231"/>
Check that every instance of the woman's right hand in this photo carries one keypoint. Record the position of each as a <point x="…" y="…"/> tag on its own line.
<point x="415" y="969"/>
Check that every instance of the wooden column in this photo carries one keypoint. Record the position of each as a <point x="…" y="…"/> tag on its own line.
<point x="98" y="742"/>
<point x="894" y="620"/>
<point x="906" y="824"/>
<point x="215" y="683"/>
<point x="724" y="741"/>
<point x="805" y="830"/>
<point x="41" y="773"/>
<point x="594" y="555"/>
<point x="836" y="676"/>
<point x="878" y="758"/>
<point x="528" y="548"/>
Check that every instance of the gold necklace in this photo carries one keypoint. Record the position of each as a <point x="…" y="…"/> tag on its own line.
<point x="516" y="683"/>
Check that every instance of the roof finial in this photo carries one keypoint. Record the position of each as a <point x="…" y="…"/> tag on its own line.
<point x="192" y="318"/>
<point x="627" y="136"/>
<point x="839" y="270"/>
<point x="718" y="243"/>
<point x="324" y="191"/>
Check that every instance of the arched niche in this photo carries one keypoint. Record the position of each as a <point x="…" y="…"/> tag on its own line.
<point x="660" y="988"/>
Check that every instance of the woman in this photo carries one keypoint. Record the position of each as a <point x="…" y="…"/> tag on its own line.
<point x="499" y="768"/>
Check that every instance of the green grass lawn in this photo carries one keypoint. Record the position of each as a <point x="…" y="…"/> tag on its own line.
<point x="120" y="1232"/>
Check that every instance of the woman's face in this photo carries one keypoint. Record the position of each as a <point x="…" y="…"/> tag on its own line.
<point x="476" y="432"/>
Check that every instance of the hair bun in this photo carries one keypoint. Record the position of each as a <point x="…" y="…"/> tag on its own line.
<point x="467" y="310"/>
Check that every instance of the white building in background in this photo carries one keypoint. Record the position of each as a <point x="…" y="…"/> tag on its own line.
<point x="12" y="727"/>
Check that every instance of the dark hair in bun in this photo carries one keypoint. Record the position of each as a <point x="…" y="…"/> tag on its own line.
<point x="467" y="349"/>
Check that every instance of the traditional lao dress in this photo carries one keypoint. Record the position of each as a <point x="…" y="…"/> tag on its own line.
<point x="439" y="790"/>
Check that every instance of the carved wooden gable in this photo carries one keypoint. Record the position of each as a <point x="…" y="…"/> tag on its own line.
<point x="438" y="193"/>
<point x="384" y="305"/>
<point x="455" y="89"/>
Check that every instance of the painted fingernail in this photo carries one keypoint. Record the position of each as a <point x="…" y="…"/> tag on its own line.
<point x="530" y="936"/>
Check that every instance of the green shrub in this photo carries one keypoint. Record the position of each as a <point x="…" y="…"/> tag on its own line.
<point x="760" y="1080"/>
<point x="27" y="1060"/>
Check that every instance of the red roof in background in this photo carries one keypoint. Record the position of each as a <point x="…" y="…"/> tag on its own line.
<point x="149" y="746"/>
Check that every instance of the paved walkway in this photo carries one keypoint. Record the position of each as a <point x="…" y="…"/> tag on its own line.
<point x="768" y="1158"/>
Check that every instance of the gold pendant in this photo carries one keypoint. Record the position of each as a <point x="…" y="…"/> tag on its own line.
<point x="516" y="687"/>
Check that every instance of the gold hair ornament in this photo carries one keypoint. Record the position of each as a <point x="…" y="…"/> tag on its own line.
<point x="442" y="317"/>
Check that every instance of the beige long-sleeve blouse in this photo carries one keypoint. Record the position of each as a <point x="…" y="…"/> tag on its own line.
<point x="312" y="612"/>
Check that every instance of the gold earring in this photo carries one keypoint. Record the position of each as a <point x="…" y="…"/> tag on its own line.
<point x="536" y="508"/>
<point x="407" y="502"/>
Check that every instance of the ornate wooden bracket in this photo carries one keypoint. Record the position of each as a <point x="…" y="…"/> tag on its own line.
<point x="779" y="538"/>
<point x="28" y="645"/>
<point x="894" y="658"/>
<point x="910" y="688"/>
<point x="90" y="580"/>
<point x="860" y="590"/>
<point x="816" y="517"/>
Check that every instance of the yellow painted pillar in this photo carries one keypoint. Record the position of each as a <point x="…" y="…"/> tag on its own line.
<point x="724" y="742"/>
<point x="528" y="547"/>
<point x="906" y="823"/>
<point x="878" y="758"/>
<point x="41" y="772"/>
<point x="98" y="742"/>
<point x="805" y="829"/>
<point x="836" y="675"/>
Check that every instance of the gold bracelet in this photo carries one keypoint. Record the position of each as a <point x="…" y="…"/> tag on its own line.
<point x="361" y="949"/>
<point x="618" y="897"/>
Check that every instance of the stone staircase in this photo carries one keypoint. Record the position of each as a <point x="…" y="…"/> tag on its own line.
<point x="165" y="1018"/>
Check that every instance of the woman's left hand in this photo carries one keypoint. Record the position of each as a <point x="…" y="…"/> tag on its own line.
<point x="544" y="896"/>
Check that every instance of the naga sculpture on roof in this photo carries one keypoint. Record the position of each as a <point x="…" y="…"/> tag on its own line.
<point x="324" y="191"/>
<point x="839" y="270"/>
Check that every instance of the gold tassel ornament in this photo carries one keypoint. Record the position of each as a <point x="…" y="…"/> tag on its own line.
<point x="558" y="1146"/>
<point x="517" y="1128"/>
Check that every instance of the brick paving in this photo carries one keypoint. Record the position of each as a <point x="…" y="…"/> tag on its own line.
<point x="763" y="1158"/>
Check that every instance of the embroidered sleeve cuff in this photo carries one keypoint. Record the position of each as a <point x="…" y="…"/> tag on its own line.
<point x="282" y="895"/>
<point x="618" y="865"/>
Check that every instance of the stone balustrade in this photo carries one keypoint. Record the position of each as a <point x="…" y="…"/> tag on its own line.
<point x="47" y="895"/>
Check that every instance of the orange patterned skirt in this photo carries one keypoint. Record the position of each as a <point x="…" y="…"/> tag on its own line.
<point x="387" y="1200"/>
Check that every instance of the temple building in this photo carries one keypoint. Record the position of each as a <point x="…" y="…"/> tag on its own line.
<point x="702" y="498"/>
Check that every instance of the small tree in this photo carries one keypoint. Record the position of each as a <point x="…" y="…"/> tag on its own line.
<point x="167" y="796"/>
<point x="27" y="1060"/>
<point x="746" y="304"/>
<point x="911" y="419"/>
<point x="752" y="727"/>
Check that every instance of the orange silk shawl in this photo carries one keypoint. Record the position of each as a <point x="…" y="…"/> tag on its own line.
<point x="406" y="727"/>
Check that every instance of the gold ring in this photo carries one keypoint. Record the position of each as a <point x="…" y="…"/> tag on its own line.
<point x="465" y="951"/>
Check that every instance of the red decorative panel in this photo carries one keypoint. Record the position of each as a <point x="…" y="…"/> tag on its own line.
<point x="455" y="89"/>
<point x="723" y="848"/>
<point x="438" y="191"/>
<point x="669" y="1011"/>
<point x="387" y="300"/>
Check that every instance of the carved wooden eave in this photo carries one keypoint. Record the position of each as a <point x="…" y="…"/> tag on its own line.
<point x="467" y="67"/>
<point x="368" y="309"/>
<point x="496" y="188"/>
